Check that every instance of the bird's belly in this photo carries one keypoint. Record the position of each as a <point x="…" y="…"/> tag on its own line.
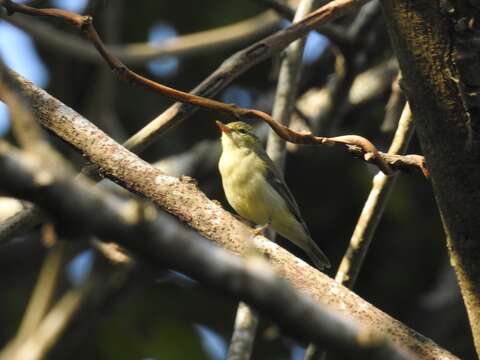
<point x="249" y="199"/>
<point x="247" y="193"/>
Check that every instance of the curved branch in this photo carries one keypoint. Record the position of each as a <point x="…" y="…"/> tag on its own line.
<point x="258" y="51"/>
<point x="136" y="54"/>
<point x="279" y="40"/>
<point x="374" y="207"/>
<point x="229" y="70"/>
<point x="183" y="199"/>
<point x="276" y="42"/>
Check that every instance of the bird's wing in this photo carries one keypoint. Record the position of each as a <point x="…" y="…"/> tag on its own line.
<point x="275" y="179"/>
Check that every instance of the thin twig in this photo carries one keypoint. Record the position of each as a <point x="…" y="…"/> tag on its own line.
<point x="285" y="97"/>
<point x="229" y="70"/>
<point x="100" y="103"/>
<point x="244" y="331"/>
<point x="20" y="223"/>
<point x="95" y="292"/>
<point x="372" y="212"/>
<point x="136" y="54"/>
<point x="286" y="92"/>
<point x="43" y="291"/>
<point x="335" y="33"/>
<point x="374" y="207"/>
<point x="394" y="106"/>
<point x="35" y="346"/>
<point x="277" y="41"/>
<point x="347" y="67"/>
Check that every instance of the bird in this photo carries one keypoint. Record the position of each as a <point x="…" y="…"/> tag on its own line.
<point x="257" y="191"/>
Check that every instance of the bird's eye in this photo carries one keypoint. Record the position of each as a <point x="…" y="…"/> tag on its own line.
<point x="242" y="131"/>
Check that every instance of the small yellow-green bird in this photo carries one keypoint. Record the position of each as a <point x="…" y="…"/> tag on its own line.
<point x="256" y="189"/>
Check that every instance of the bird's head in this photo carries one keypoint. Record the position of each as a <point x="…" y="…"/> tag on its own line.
<point x="238" y="134"/>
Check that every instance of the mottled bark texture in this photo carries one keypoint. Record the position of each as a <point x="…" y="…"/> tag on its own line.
<point x="435" y="44"/>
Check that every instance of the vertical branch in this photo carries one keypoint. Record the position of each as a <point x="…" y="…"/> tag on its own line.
<point x="394" y="107"/>
<point x="37" y="344"/>
<point x="101" y="102"/>
<point x="370" y="216"/>
<point x="314" y="353"/>
<point x="286" y="93"/>
<point x="282" y="111"/>
<point x="43" y="292"/>
<point x="374" y="207"/>
<point x="349" y="60"/>
<point x="243" y="337"/>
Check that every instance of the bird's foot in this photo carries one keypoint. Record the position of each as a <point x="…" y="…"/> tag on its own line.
<point x="260" y="230"/>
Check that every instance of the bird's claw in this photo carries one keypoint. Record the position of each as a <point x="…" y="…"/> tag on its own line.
<point x="259" y="231"/>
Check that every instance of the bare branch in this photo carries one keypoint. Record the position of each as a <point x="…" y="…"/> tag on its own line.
<point x="181" y="198"/>
<point x="287" y="87"/>
<point x="35" y="346"/>
<point x="252" y="280"/>
<point x="94" y="292"/>
<point x="373" y="209"/>
<point x="286" y="92"/>
<point x="333" y="32"/>
<point x="43" y="292"/>
<point x="230" y="69"/>
<point x="277" y="41"/>
<point x="20" y="223"/>
<point x="136" y="54"/>
<point x="347" y="67"/>
<point x="282" y="110"/>
<point x="243" y="337"/>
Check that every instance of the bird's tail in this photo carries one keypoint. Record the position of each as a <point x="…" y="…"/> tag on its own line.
<point x="317" y="256"/>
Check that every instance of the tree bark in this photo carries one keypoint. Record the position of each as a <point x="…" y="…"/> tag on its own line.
<point x="441" y="83"/>
<point x="183" y="199"/>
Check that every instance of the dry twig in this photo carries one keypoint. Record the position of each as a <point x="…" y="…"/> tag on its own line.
<point x="136" y="54"/>
<point x="43" y="292"/>
<point x="374" y="207"/>
<point x="277" y="41"/>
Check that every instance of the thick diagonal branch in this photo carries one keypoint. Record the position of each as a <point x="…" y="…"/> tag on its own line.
<point x="183" y="199"/>
<point x="251" y="279"/>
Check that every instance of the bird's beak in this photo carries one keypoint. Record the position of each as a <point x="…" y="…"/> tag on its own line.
<point x="223" y="128"/>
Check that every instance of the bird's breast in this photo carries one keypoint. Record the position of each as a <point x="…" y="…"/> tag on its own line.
<point x="245" y="185"/>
